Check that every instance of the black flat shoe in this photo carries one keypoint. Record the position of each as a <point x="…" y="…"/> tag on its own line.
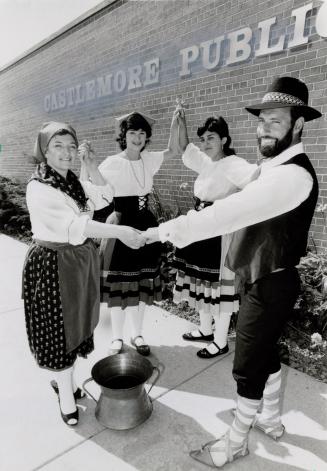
<point x="78" y="394"/>
<point x="204" y="353"/>
<point x="141" y="349"/>
<point x="203" y="338"/>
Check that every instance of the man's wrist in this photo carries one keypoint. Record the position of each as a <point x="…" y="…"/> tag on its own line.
<point x="164" y="231"/>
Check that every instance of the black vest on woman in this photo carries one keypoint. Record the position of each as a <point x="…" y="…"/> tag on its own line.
<point x="280" y="242"/>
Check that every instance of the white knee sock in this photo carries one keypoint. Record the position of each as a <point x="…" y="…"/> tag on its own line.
<point x="239" y="430"/>
<point x="271" y="398"/>
<point x="136" y="317"/>
<point x="64" y="381"/>
<point x="222" y="321"/>
<point x="245" y="413"/>
<point x="205" y="322"/>
<point x="118" y="316"/>
<point x="73" y="379"/>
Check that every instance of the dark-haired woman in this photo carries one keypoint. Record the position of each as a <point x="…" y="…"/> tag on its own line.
<point x="62" y="261"/>
<point x="202" y="279"/>
<point x="131" y="280"/>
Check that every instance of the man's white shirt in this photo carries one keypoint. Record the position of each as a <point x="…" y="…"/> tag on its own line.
<point x="277" y="190"/>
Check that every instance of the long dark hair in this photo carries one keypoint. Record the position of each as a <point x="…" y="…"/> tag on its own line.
<point x="135" y="121"/>
<point x="220" y="127"/>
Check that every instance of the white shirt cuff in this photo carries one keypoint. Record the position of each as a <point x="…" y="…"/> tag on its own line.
<point x="76" y="230"/>
<point x="164" y="231"/>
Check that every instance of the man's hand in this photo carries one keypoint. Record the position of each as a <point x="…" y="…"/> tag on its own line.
<point x="151" y="235"/>
<point x="131" y="237"/>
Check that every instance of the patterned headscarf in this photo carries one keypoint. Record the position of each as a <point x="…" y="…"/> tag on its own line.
<point x="47" y="175"/>
<point x="47" y="132"/>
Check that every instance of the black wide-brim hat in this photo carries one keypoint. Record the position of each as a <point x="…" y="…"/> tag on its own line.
<point x="285" y="92"/>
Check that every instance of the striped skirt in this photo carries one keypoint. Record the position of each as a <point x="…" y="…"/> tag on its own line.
<point x="130" y="276"/>
<point x="202" y="280"/>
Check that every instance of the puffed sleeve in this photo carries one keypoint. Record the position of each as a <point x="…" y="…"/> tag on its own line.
<point x="111" y="169"/>
<point x="153" y="161"/>
<point x="194" y="158"/>
<point x="238" y="170"/>
<point x="100" y="196"/>
<point x="103" y="168"/>
<point x="52" y="217"/>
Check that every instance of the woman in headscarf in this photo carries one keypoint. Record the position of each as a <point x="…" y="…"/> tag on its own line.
<point x="61" y="270"/>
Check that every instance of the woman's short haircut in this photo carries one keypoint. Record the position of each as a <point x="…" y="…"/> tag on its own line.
<point x="135" y="121"/>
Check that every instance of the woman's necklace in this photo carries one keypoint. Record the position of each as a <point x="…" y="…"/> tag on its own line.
<point x="134" y="173"/>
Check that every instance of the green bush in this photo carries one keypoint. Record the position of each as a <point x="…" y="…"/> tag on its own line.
<point x="14" y="217"/>
<point x="311" y="305"/>
<point x="162" y="212"/>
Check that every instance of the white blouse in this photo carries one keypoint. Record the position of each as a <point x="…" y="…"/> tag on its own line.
<point x="131" y="177"/>
<point x="56" y="217"/>
<point x="217" y="179"/>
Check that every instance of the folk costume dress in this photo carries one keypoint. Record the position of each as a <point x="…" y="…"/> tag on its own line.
<point x="61" y="272"/>
<point x="202" y="279"/>
<point x="129" y="276"/>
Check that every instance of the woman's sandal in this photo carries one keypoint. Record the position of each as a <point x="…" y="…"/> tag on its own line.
<point x="69" y="419"/>
<point x="116" y="350"/>
<point x="141" y="349"/>
<point x="204" y="352"/>
<point x="203" y="455"/>
<point x="78" y="394"/>
<point x="202" y="338"/>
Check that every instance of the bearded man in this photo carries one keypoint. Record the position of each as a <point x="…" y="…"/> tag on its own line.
<point x="270" y="220"/>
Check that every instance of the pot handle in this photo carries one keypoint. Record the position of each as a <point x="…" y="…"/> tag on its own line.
<point x="88" y="392"/>
<point x="155" y="368"/>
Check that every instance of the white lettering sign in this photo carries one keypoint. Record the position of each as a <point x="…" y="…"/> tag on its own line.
<point x="104" y="85"/>
<point x="264" y="48"/>
<point x="208" y="47"/>
<point x="235" y="46"/>
<point x="240" y="49"/>
<point x="133" y="78"/>
<point x="238" y="43"/>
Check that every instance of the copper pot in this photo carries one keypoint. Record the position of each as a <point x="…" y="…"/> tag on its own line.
<point x="123" y="403"/>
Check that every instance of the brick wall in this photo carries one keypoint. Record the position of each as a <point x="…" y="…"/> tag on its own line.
<point x="126" y="34"/>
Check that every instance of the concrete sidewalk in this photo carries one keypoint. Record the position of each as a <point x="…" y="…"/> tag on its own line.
<point x="193" y="398"/>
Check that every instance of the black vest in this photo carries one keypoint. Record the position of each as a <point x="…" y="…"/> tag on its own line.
<point x="280" y="242"/>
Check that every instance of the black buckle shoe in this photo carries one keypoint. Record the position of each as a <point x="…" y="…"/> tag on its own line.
<point x="204" y="353"/>
<point x="141" y="349"/>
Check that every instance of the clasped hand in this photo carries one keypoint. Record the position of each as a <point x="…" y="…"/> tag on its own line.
<point x="131" y="237"/>
<point x="136" y="239"/>
<point x="151" y="235"/>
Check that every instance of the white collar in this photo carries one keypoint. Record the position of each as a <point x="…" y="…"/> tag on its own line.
<point x="284" y="156"/>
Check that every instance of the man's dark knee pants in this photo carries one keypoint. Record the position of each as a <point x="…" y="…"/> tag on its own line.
<point x="265" y="308"/>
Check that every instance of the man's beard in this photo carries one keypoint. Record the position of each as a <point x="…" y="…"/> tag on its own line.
<point x="275" y="148"/>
